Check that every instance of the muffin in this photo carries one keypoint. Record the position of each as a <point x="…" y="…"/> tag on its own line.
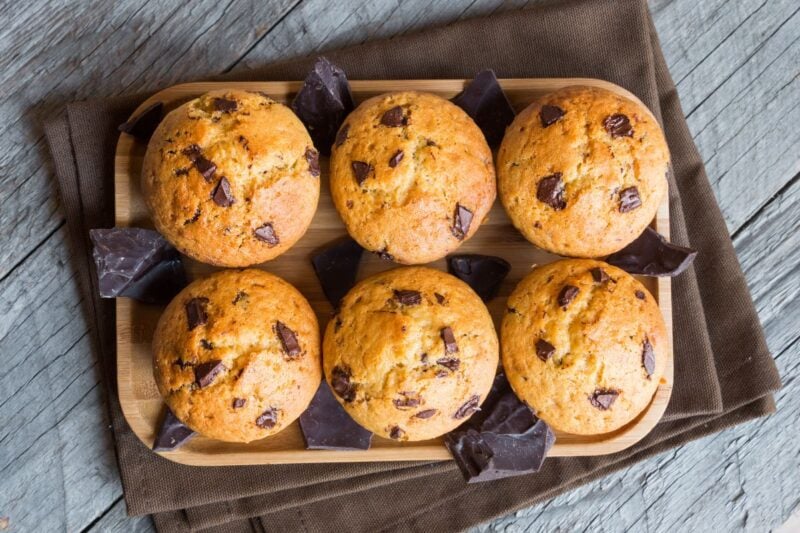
<point x="231" y="178"/>
<point x="411" y="176"/>
<point x="584" y="345"/>
<point x="411" y="353"/>
<point x="582" y="171"/>
<point x="236" y="355"/>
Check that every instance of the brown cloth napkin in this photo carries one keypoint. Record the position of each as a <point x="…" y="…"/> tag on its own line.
<point x="724" y="373"/>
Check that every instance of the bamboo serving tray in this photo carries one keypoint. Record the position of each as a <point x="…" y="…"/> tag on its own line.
<point x="136" y="322"/>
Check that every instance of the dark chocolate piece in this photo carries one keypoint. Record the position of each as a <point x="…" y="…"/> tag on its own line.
<point x="618" y="125"/>
<point x="599" y="275"/>
<point x="205" y="344"/>
<point x="396" y="158"/>
<point x="640" y="295"/>
<point x="222" y="193"/>
<point x="406" y="402"/>
<point x="550" y="114"/>
<point x="268" y="418"/>
<point x="327" y="426"/>
<point x="206" y="373"/>
<point x="544" y="350"/>
<point x="449" y="339"/>
<point x="551" y="191"/>
<point x="195" y="216"/>
<point x="385" y="255"/>
<point x="394" y="117"/>
<point x="240" y="295"/>
<point x="238" y="403"/>
<point x="225" y="105"/>
<point x="470" y="406"/>
<point x="462" y="219"/>
<point x="567" y="294"/>
<point x="196" y="312"/>
<point x="323" y="102"/>
<point x="171" y="434"/>
<point x="648" y="357"/>
<point x="361" y="171"/>
<point x="484" y="100"/>
<point x="341" y="384"/>
<point x="450" y="363"/>
<point x="288" y="339"/>
<point x="651" y="255"/>
<point x="439" y="298"/>
<point x="427" y="413"/>
<point x="266" y="233"/>
<point x="337" y="267"/>
<point x="629" y="200"/>
<point x="205" y="167"/>
<point x="145" y="123"/>
<point x="396" y="432"/>
<point x="312" y="157"/>
<point x="603" y="399"/>
<point x="407" y="297"/>
<point x="341" y="137"/>
<point x="136" y="263"/>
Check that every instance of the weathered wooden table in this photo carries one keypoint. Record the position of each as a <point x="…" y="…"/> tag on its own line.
<point x="737" y="66"/>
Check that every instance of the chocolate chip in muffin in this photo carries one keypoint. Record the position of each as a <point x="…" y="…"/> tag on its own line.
<point x="462" y="219"/>
<point x="336" y="268"/>
<point x="341" y="384"/>
<point x="206" y="373"/>
<point x="485" y="101"/>
<point x="288" y="339"/>
<point x="396" y="432"/>
<point x="442" y="373"/>
<point x="238" y="403"/>
<point x="327" y="426"/>
<point x="450" y="363"/>
<point x="484" y="273"/>
<point x="651" y="255"/>
<point x="396" y="158"/>
<point x="196" y="312"/>
<point x="599" y="275"/>
<point x="544" y="350"/>
<point x="551" y="191"/>
<point x="312" y="157"/>
<point x="424" y="358"/>
<point x="439" y="298"/>
<point x="648" y="357"/>
<point x="550" y="114"/>
<point x="469" y="407"/>
<point x="194" y="218"/>
<point x="629" y="200"/>
<point x="172" y="433"/>
<point x="206" y="345"/>
<point x="205" y="167"/>
<point x="603" y="398"/>
<point x="618" y="125"/>
<point x="640" y="295"/>
<point x="407" y="401"/>
<point x="222" y="193"/>
<point x="225" y="105"/>
<point x="341" y="137"/>
<point x="268" y="418"/>
<point x="567" y="294"/>
<point x="240" y="295"/>
<point x="266" y="233"/>
<point x="145" y="123"/>
<point x="182" y="171"/>
<point x="449" y="339"/>
<point x="361" y="171"/>
<point x="427" y="413"/>
<point x="394" y="117"/>
<point x="407" y="297"/>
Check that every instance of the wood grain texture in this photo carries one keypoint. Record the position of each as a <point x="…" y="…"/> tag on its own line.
<point x="56" y="51"/>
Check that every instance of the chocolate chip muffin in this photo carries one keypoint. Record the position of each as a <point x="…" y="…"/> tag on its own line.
<point x="411" y="353"/>
<point x="582" y="171"/>
<point x="231" y="178"/>
<point x="411" y="176"/>
<point x="584" y="344"/>
<point x="236" y="355"/>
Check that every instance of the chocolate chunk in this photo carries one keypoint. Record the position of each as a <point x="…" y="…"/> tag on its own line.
<point x="194" y="218"/>
<point x="462" y="218"/>
<point x="385" y="255"/>
<point x="396" y="158"/>
<point x="312" y="157"/>
<point x="268" y="418"/>
<point x="288" y="340"/>
<point x="442" y="374"/>
<point x="439" y="298"/>
<point x="337" y="267"/>
<point x="396" y="432"/>
<point x="484" y="100"/>
<point x="323" y="102"/>
<point x="407" y="297"/>
<point x="629" y="199"/>
<point x="341" y="385"/>
<point x="361" y="171"/>
<point x="651" y="255"/>
<point x="449" y="339"/>
<point x="222" y="193"/>
<point x="145" y="123"/>
<point x="172" y="433"/>
<point x="241" y="295"/>
<point x="266" y="233"/>
<point x="205" y="167"/>
<point x="424" y="358"/>
<point x="450" y="363"/>
<point x="394" y="117"/>
<point x="206" y="373"/>
<point x="599" y="275"/>
<point x="238" y="403"/>
<point x="206" y="345"/>
<point x="427" y="413"/>
<point x="225" y="105"/>
<point x="406" y="402"/>
<point x="196" y="312"/>
<point x="648" y="357"/>
<point x="341" y="137"/>
<point x="567" y="294"/>
<point x="550" y="114"/>
<point x="551" y="191"/>
<point x="484" y="273"/>
<point x="136" y="263"/>
<point x="181" y="171"/>
<point x="603" y="398"/>
<point x="327" y="426"/>
<point x="544" y="350"/>
<point x="640" y="295"/>
<point x="618" y="125"/>
<point x="469" y="407"/>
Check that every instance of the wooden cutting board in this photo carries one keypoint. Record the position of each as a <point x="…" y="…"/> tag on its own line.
<point x="136" y="322"/>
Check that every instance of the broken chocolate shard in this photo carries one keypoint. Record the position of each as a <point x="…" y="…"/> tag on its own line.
<point x="238" y="403"/>
<point x="268" y="419"/>
<point x="396" y="158"/>
<point x="629" y="200"/>
<point x="407" y="297"/>
<point x="603" y="399"/>
<point x="341" y="384"/>
<point x="406" y="402"/>
<point x="550" y="114"/>
<point x="336" y="268"/>
<point x="172" y="433"/>
<point x="440" y="299"/>
<point x="551" y="191"/>
<point x="225" y="105"/>
<point x="288" y="340"/>
<point x="136" y="263"/>
<point x="599" y="275"/>
<point x="323" y="102"/>
<point x="145" y="123"/>
<point x="485" y="101"/>
<point x="206" y="345"/>
<point x="450" y="363"/>
<point x="484" y="273"/>
<point x="394" y="117"/>
<point x="361" y="171"/>
<point x="618" y="125"/>
<point x="462" y="219"/>
<point x="449" y="340"/>
<point x="266" y="233"/>
<point x="222" y="193"/>
<point x="651" y="255"/>
<point x="205" y="167"/>
<point x="327" y="426"/>
<point x="196" y="312"/>
<point x="427" y="413"/>
<point x="470" y="406"/>
<point x="567" y="294"/>
<point x="544" y="350"/>
<point x="312" y="158"/>
<point x="396" y="432"/>
<point x="206" y="373"/>
<point x="648" y="357"/>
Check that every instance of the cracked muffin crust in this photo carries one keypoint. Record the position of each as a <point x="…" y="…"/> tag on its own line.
<point x="236" y="355"/>
<point x="582" y="171"/>
<point x="411" y="176"/>
<point x="411" y="353"/>
<point x="231" y="178"/>
<point x="584" y="344"/>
